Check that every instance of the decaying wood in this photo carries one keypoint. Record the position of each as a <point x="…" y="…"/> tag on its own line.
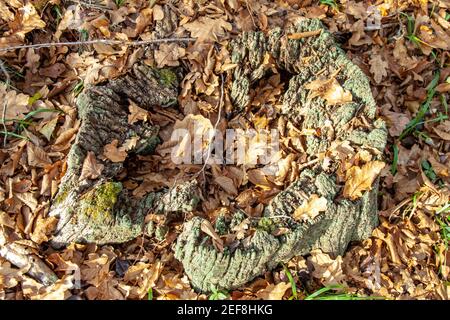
<point x="344" y="221"/>
<point x="101" y="211"/>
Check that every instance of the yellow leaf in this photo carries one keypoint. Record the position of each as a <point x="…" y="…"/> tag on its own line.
<point x="359" y="179"/>
<point x="310" y="208"/>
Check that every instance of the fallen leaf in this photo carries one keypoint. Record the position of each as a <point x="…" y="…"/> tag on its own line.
<point x="136" y="113"/>
<point x="91" y="169"/>
<point x="28" y="199"/>
<point x="310" y="208"/>
<point x="274" y="292"/>
<point x="226" y="184"/>
<point x="37" y="157"/>
<point x="48" y="129"/>
<point x="378" y="67"/>
<point x="207" y="228"/>
<point x="329" y="271"/>
<point x="16" y="104"/>
<point x="330" y="90"/>
<point x="208" y="29"/>
<point x="169" y="55"/>
<point x="26" y="20"/>
<point x="359" y="179"/>
<point x="113" y="153"/>
<point x="43" y="228"/>
<point x="306" y="34"/>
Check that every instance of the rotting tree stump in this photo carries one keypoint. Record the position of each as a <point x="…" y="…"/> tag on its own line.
<point x="344" y="220"/>
<point x="101" y="211"/>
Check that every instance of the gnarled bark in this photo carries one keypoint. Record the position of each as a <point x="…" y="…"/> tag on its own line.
<point x="101" y="210"/>
<point x="344" y="220"/>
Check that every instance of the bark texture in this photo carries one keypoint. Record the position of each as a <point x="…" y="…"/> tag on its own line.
<point x="344" y="221"/>
<point x="101" y="211"/>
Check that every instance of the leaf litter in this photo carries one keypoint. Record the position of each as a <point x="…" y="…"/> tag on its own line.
<point x="406" y="257"/>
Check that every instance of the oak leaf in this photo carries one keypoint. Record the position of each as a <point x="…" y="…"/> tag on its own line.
<point x="208" y="29"/>
<point x="311" y="208"/>
<point x="136" y="113"/>
<point x="360" y="179"/>
<point x="378" y="67"/>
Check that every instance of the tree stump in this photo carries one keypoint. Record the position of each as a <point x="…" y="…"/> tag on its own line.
<point x="101" y="211"/>
<point x="314" y="54"/>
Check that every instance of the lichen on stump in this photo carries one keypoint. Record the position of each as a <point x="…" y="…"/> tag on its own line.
<point x="344" y="220"/>
<point x="100" y="210"/>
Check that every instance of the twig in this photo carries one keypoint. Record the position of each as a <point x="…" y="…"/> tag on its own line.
<point x="97" y="41"/>
<point x="307" y="164"/>
<point x="8" y="81"/>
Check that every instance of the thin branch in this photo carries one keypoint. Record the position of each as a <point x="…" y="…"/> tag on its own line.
<point x="7" y="82"/>
<point x="97" y="41"/>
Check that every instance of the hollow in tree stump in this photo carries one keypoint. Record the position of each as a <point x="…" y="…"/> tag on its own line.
<point x="305" y="59"/>
<point x="101" y="211"/>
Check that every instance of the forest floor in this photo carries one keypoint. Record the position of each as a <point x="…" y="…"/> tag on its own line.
<point x="402" y="46"/>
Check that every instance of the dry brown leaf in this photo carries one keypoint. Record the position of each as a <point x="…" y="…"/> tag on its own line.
<point x="259" y="179"/>
<point x="113" y="153"/>
<point x="310" y="208"/>
<point x="329" y="271"/>
<point x="36" y="156"/>
<point x="43" y="228"/>
<point x="378" y="67"/>
<point x="16" y="105"/>
<point x="91" y="169"/>
<point x="169" y="55"/>
<point x="360" y="179"/>
<point x="306" y="34"/>
<point x="226" y="184"/>
<point x="136" y="113"/>
<point x="330" y="90"/>
<point x="207" y="228"/>
<point x="28" y="199"/>
<point x="274" y="292"/>
<point x="396" y="122"/>
<point x="208" y="29"/>
<point x="27" y="19"/>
